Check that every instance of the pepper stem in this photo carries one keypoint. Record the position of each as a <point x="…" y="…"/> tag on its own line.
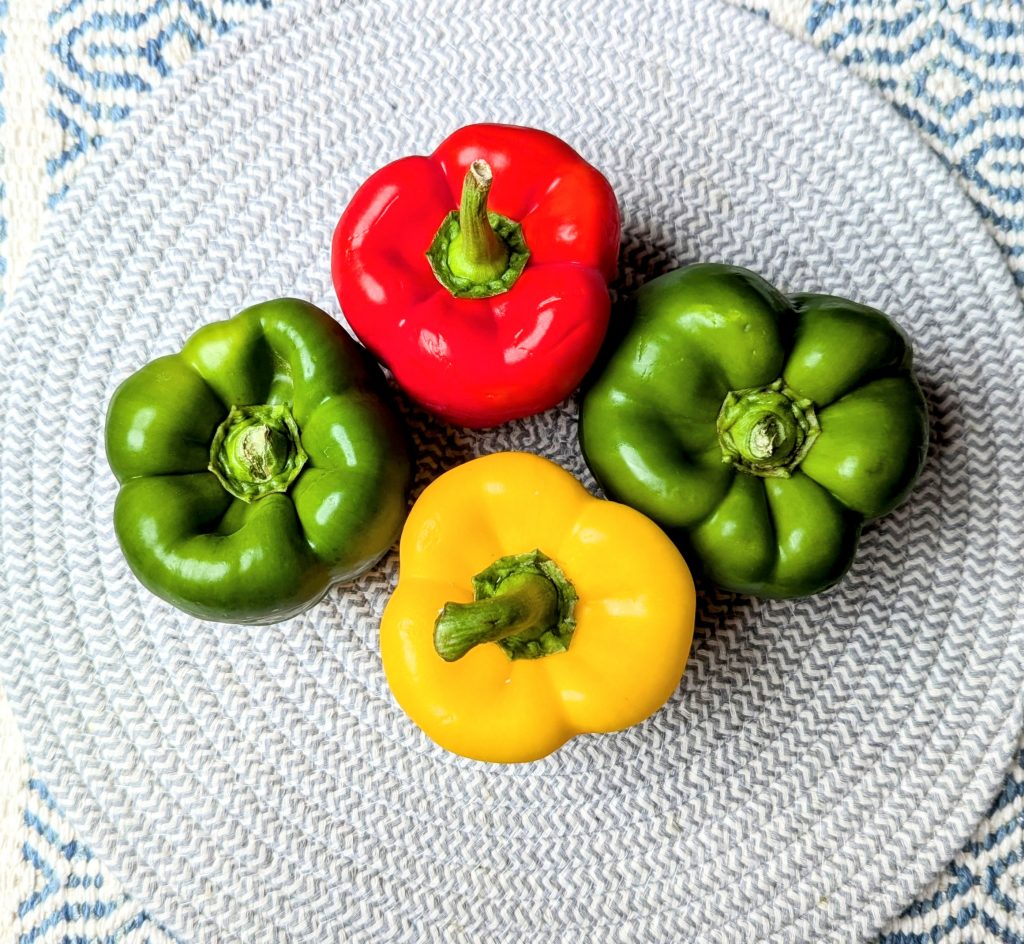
<point x="766" y="431"/>
<point x="257" y="451"/>
<point x="767" y="438"/>
<point x="477" y="253"/>
<point x="524" y="603"/>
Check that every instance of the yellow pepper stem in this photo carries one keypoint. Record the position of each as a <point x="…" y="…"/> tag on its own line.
<point x="523" y="602"/>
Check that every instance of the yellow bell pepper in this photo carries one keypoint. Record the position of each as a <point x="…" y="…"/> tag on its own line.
<point x="528" y="611"/>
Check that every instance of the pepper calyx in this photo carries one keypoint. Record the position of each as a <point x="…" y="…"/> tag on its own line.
<point x="523" y="602"/>
<point x="257" y="451"/>
<point x="766" y="431"/>
<point x="477" y="253"/>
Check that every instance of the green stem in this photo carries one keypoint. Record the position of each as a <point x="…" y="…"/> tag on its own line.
<point x="766" y="431"/>
<point x="257" y="451"/>
<point x="523" y="604"/>
<point x="477" y="253"/>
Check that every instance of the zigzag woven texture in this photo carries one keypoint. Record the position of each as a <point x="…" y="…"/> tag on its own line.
<point x="956" y="71"/>
<point x="809" y="776"/>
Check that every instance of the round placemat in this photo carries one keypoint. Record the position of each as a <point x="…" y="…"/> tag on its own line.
<point x="822" y="758"/>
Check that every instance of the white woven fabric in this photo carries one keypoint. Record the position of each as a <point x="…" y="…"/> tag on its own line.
<point x="823" y="758"/>
<point x="15" y="879"/>
<point x="26" y="137"/>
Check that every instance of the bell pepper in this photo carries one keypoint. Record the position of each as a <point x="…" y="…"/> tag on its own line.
<point x="528" y="611"/>
<point x="258" y="466"/>
<point x="478" y="275"/>
<point x="761" y="430"/>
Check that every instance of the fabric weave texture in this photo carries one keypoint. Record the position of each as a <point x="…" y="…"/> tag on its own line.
<point x="956" y="73"/>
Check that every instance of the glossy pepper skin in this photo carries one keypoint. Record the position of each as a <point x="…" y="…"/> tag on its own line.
<point x="761" y="430"/>
<point x="494" y="681"/>
<point x="525" y="343"/>
<point x="258" y="466"/>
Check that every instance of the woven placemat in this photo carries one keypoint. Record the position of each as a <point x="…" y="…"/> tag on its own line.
<point x="823" y="757"/>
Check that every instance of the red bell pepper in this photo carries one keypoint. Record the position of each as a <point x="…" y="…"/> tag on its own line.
<point x="481" y="316"/>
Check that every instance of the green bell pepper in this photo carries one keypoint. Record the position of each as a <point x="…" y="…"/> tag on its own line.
<point x="760" y="430"/>
<point x="258" y="467"/>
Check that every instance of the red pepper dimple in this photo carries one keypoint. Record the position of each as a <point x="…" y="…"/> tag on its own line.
<point x="526" y="334"/>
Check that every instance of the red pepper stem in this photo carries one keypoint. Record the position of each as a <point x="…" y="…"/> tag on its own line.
<point x="477" y="253"/>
